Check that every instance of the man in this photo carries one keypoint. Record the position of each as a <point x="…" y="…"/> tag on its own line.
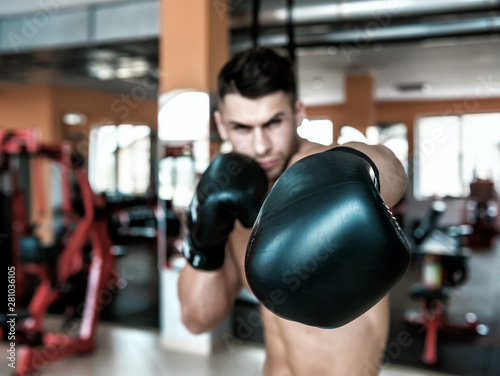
<point x="259" y="114"/>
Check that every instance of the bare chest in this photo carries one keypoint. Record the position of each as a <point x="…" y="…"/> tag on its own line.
<point x="238" y="245"/>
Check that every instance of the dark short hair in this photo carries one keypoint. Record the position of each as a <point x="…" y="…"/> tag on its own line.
<point x="256" y="72"/>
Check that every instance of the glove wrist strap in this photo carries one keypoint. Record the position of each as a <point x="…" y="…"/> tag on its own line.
<point x="375" y="174"/>
<point x="198" y="259"/>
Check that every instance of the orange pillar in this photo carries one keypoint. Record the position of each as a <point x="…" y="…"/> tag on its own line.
<point x="32" y="107"/>
<point x="193" y="48"/>
<point x="360" y="103"/>
<point x="25" y="107"/>
<point x="193" y="43"/>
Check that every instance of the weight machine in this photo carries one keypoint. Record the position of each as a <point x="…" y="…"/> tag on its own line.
<point x="81" y="252"/>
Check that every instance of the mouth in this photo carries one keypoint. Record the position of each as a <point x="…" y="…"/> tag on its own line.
<point x="267" y="165"/>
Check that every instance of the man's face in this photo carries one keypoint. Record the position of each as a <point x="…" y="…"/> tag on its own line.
<point x="264" y="128"/>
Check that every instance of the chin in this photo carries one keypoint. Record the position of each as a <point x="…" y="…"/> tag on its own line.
<point x="274" y="174"/>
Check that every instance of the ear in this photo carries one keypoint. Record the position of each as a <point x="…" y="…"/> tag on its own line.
<point x="221" y="128"/>
<point x="300" y="112"/>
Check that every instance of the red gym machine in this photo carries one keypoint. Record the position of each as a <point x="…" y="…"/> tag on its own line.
<point x="444" y="267"/>
<point x="83" y="245"/>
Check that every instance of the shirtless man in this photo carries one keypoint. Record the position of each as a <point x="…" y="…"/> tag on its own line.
<point x="259" y="114"/>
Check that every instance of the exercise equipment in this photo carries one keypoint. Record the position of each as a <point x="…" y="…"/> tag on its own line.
<point x="481" y="213"/>
<point x="81" y="253"/>
<point x="132" y="218"/>
<point x="444" y="267"/>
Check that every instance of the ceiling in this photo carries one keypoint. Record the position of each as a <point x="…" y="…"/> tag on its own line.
<point x="449" y="68"/>
<point x="13" y="7"/>
<point x="455" y="63"/>
<point x="74" y="67"/>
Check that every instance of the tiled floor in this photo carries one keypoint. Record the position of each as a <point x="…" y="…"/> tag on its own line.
<point x="131" y="352"/>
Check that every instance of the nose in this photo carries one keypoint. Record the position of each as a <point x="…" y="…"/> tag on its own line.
<point x="262" y="142"/>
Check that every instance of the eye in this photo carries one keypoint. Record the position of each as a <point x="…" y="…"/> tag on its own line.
<point x="274" y="122"/>
<point x="241" y="127"/>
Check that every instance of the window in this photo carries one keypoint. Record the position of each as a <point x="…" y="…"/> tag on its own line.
<point x="394" y="137"/>
<point x="119" y="159"/>
<point x="350" y="134"/>
<point x="320" y="131"/>
<point x="450" y="151"/>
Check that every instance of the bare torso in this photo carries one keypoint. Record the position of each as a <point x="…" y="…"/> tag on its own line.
<point x="293" y="349"/>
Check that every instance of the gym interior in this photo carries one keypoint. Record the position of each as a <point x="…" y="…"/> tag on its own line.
<point x="106" y="127"/>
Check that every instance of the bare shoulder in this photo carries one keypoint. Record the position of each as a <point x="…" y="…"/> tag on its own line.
<point x="393" y="177"/>
<point x="378" y="153"/>
<point x="306" y="149"/>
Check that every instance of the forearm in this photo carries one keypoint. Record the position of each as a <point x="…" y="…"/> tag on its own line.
<point x="393" y="179"/>
<point x="207" y="297"/>
<point x="210" y="282"/>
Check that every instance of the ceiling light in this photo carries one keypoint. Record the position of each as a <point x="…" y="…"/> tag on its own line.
<point x="123" y="68"/>
<point x="101" y="70"/>
<point x="74" y="118"/>
<point x="317" y="83"/>
<point x="426" y="88"/>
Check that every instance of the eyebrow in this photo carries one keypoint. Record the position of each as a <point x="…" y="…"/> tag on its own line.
<point x="274" y="117"/>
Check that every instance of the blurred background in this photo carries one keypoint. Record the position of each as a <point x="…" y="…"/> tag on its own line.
<point x="121" y="91"/>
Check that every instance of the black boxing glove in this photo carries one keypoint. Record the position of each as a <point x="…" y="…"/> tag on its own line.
<point x="325" y="247"/>
<point x="233" y="187"/>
